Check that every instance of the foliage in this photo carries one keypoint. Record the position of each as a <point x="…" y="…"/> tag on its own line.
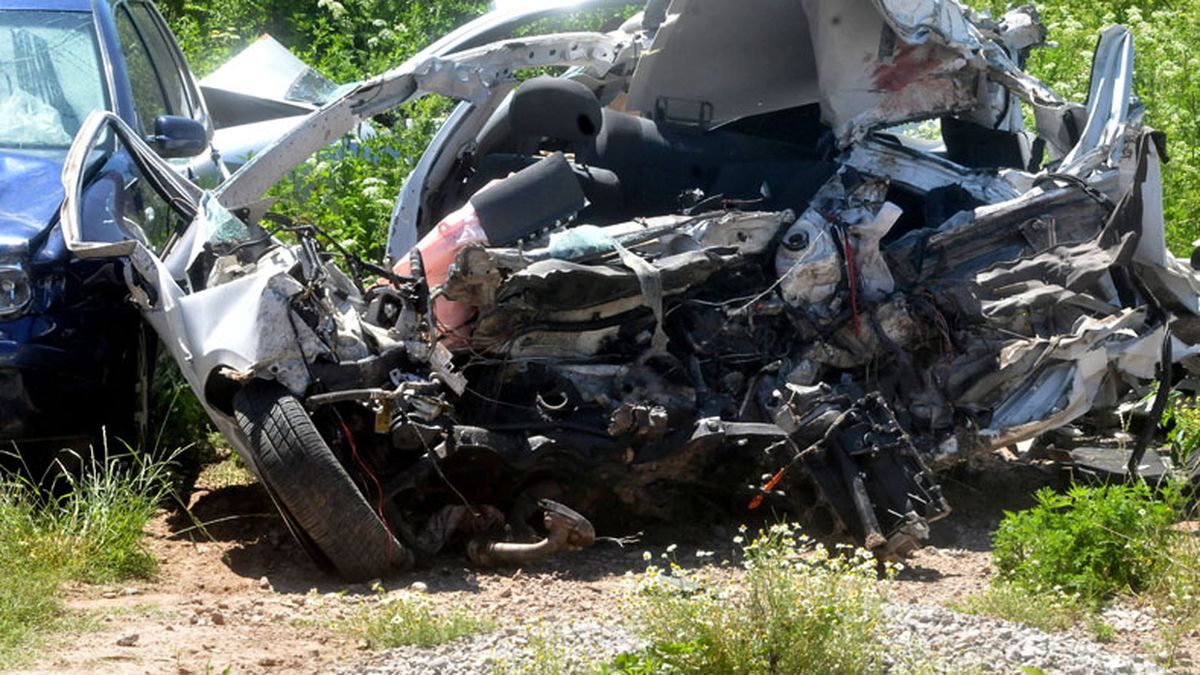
<point x="1182" y="418"/>
<point x="345" y="40"/>
<point x="88" y="528"/>
<point x="348" y="189"/>
<point x="1089" y="542"/>
<point x="801" y="609"/>
<point x="1175" y="593"/>
<point x="397" y="619"/>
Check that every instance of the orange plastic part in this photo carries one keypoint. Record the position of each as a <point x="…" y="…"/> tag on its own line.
<point x="438" y="250"/>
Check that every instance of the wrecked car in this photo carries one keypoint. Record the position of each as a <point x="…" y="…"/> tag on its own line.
<point x="707" y="267"/>
<point x="75" y="357"/>
<point x="67" y="333"/>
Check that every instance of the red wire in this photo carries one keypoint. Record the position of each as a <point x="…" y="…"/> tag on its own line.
<point x="758" y="499"/>
<point x="378" y="486"/>
<point x="853" y="275"/>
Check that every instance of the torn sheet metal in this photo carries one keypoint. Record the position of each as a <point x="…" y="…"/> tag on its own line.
<point x="266" y="69"/>
<point x="868" y="63"/>
<point x="264" y="81"/>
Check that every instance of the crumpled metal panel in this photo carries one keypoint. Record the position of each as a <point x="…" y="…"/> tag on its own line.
<point x="245" y="325"/>
<point x="919" y="21"/>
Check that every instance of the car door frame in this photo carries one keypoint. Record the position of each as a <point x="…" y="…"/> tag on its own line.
<point x="179" y="193"/>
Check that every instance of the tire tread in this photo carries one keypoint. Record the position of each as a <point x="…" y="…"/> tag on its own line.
<point x="309" y="481"/>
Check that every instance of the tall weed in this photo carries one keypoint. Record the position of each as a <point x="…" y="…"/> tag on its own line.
<point x="88" y="527"/>
<point x="801" y="609"/>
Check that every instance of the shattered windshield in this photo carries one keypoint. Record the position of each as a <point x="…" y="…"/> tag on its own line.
<point x="50" y="77"/>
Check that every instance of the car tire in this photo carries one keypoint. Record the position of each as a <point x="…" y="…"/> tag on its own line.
<point x="312" y="487"/>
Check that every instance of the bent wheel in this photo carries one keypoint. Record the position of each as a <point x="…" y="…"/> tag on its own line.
<point x="308" y="481"/>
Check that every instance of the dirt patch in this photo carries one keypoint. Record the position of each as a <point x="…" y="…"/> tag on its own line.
<point x="211" y="607"/>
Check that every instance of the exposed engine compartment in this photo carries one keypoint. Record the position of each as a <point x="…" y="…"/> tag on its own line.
<point x="733" y="354"/>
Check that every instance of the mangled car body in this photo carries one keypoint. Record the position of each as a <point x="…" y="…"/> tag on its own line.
<point x="700" y="270"/>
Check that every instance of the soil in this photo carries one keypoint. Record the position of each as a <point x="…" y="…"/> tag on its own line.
<point x="245" y="599"/>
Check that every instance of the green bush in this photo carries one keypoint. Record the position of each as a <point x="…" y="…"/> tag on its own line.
<point x="1089" y="542"/>
<point x="345" y="40"/>
<point x="800" y="609"/>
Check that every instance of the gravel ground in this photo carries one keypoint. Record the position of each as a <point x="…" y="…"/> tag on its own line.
<point x="956" y="642"/>
<point x="249" y="601"/>
<point x="923" y="638"/>
<point x="544" y="649"/>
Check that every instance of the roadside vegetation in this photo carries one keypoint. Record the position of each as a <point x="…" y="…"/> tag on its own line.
<point x="1061" y="562"/>
<point x="87" y="528"/>
<point x="799" y="609"/>
<point x="1091" y="543"/>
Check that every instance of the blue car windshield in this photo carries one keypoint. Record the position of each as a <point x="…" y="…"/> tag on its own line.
<point x="50" y="77"/>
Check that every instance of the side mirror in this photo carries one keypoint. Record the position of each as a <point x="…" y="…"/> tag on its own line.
<point x="178" y="137"/>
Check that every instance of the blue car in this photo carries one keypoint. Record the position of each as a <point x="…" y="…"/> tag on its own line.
<point x="74" y="355"/>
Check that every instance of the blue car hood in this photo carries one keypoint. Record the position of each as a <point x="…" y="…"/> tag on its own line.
<point x="30" y="194"/>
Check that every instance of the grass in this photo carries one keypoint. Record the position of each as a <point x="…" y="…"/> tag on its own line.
<point x="800" y="609"/>
<point x="88" y="528"/>
<point x="401" y="619"/>
<point x="1044" y="610"/>
<point x="1174" y="593"/>
<point x="226" y="470"/>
